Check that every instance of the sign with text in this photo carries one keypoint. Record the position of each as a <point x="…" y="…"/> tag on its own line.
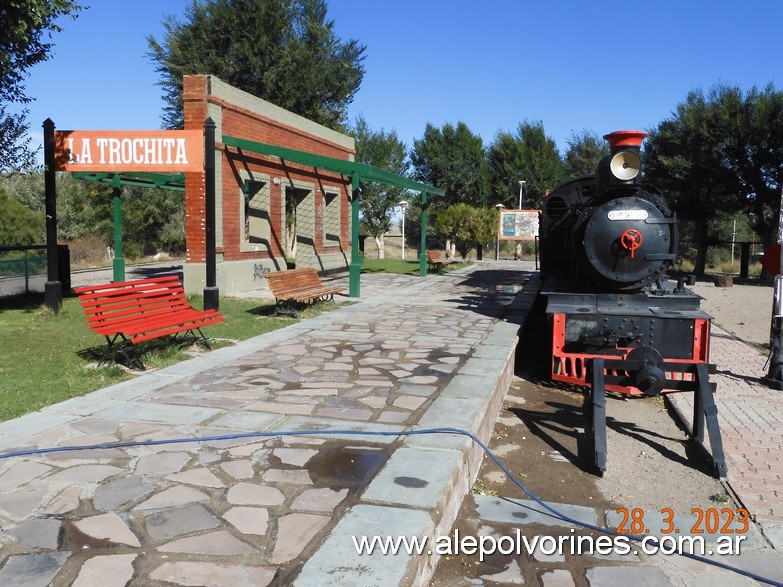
<point x="518" y="224"/>
<point x="129" y="150"/>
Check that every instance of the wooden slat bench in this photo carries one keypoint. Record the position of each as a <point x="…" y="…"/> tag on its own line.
<point x="298" y="287"/>
<point x="435" y="261"/>
<point x="130" y="312"/>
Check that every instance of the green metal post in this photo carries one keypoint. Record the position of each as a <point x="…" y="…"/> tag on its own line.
<point x="423" y="247"/>
<point x="356" y="262"/>
<point x="119" y="260"/>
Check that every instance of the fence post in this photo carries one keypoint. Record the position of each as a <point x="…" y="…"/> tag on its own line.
<point x="744" y="259"/>
<point x="26" y="274"/>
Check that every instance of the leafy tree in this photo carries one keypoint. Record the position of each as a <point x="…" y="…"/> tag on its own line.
<point x="284" y="51"/>
<point x="26" y="26"/>
<point x="153" y="220"/>
<point x="528" y="155"/>
<point x="18" y="224"/>
<point x="685" y="157"/>
<point x="752" y="149"/>
<point x="467" y="226"/>
<point x="15" y="153"/>
<point x="453" y="159"/>
<point x="585" y="150"/>
<point x="386" y="151"/>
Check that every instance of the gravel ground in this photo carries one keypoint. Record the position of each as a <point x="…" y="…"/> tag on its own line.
<point x="743" y="310"/>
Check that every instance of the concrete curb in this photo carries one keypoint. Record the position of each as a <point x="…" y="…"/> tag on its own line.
<point x="397" y="504"/>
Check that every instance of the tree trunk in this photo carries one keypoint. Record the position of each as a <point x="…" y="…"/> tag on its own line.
<point x="379" y="242"/>
<point x="700" y="236"/>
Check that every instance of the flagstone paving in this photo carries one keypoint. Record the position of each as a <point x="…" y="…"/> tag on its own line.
<point x="236" y="510"/>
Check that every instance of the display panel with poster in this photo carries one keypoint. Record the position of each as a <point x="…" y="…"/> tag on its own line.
<point x="518" y="224"/>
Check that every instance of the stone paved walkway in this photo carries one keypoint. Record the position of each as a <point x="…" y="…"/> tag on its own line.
<point x="251" y="511"/>
<point x="277" y="511"/>
<point x="751" y="421"/>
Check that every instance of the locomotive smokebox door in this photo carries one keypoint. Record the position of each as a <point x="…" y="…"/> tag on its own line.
<point x="625" y="242"/>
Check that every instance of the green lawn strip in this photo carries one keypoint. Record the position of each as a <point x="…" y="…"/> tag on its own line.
<point x="46" y="358"/>
<point x="402" y="267"/>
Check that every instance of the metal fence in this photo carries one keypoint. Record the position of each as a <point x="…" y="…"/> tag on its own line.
<point x="24" y="268"/>
<point x="19" y="264"/>
<point x="728" y="257"/>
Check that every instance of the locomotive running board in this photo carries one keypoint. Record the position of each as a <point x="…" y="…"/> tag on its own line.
<point x="705" y="411"/>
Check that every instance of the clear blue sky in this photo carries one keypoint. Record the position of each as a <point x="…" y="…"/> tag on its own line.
<point x="572" y="64"/>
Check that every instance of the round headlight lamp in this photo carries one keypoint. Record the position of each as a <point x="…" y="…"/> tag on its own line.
<point x="625" y="165"/>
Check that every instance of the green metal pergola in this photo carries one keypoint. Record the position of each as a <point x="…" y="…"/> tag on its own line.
<point x="357" y="172"/>
<point x="164" y="181"/>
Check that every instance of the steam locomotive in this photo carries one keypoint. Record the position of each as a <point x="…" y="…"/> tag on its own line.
<point x="614" y="320"/>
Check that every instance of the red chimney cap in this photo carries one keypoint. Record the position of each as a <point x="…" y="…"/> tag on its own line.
<point x="626" y="138"/>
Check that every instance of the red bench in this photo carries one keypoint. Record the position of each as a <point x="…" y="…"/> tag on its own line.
<point x="130" y="312"/>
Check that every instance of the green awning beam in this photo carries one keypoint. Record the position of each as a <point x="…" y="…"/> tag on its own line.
<point x="347" y="168"/>
<point x="163" y="181"/>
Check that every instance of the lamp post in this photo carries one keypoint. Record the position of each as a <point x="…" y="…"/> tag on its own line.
<point x="500" y="208"/>
<point x="518" y="248"/>
<point x="522" y="183"/>
<point x="403" y="205"/>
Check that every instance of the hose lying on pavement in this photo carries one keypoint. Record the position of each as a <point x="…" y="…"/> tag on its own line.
<point x="456" y="431"/>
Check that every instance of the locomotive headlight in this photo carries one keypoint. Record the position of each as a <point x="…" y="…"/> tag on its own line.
<point x="625" y="165"/>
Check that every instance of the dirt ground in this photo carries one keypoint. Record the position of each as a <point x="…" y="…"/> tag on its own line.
<point x="651" y="464"/>
<point x="743" y="310"/>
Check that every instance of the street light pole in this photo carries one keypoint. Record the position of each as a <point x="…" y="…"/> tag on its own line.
<point x="522" y="183"/>
<point x="500" y="208"/>
<point x="404" y="205"/>
<point x="518" y="248"/>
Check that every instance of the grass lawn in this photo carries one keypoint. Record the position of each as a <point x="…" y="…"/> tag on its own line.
<point x="406" y="267"/>
<point x="46" y="358"/>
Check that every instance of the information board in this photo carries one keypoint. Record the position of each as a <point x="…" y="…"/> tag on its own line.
<point x="518" y="224"/>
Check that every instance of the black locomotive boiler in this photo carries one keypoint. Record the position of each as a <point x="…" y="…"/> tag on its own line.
<point x="614" y="320"/>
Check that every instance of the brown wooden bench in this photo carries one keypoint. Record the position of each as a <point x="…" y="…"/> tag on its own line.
<point x="295" y="288"/>
<point x="435" y="261"/>
<point x="130" y="312"/>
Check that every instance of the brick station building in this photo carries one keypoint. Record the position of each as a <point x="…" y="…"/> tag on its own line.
<point x="255" y="194"/>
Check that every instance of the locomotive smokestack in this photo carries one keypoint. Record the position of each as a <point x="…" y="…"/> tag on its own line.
<point x="625" y="139"/>
<point x="624" y="163"/>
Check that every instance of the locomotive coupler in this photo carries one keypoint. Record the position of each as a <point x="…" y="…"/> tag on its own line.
<point x="650" y="378"/>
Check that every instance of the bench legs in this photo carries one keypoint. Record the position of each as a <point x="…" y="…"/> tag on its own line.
<point x="125" y="348"/>
<point x="292" y="307"/>
<point x="119" y="344"/>
<point x="286" y="307"/>
<point x="189" y="336"/>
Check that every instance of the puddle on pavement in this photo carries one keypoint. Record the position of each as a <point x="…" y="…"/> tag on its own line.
<point x="345" y="468"/>
<point x="412" y="482"/>
<point x="508" y="289"/>
<point x="74" y="539"/>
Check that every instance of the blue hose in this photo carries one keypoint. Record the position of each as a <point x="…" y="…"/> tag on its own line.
<point x="456" y="431"/>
